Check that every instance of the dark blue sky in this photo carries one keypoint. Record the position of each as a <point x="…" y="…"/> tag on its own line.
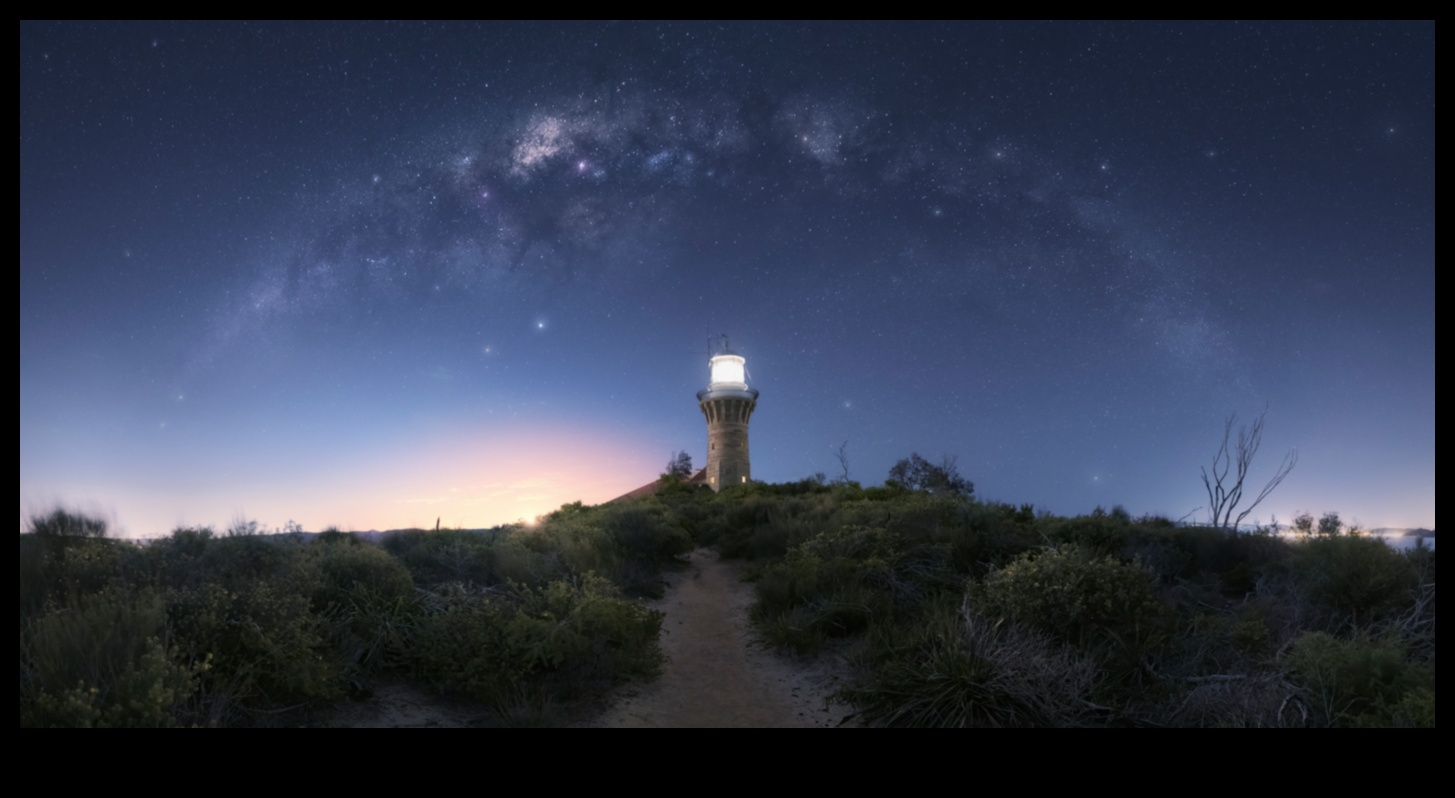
<point x="371" y="275"/>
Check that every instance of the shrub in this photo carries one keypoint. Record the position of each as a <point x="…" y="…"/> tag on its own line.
<point x="365" y="597"/>
<point x="1101" y="532"/>
<point x="1364" y="681"/>
<point x="563" y="639"/>
<point x="644" y="534"/>
<point x="239" y="561"/>
<point x="65" y="570"/>
<point x="1359" y="579"/>
<point x="1073" y="595"/>
<point x="259" y="648"/>
<point x="66" y="524"/>
<point x="449" y="555"/>
<point x="914" y="473"/>
<point x="101" y="663"/>
<point x="837" y="582"/>
<point x="752" y="527"/>
<point x="334" y="575"/>
<point x="1237" y="560"/>
<point x="983" y="536"/>
<point x="957" y="669"/>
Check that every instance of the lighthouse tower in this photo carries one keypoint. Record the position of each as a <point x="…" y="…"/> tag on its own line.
<point x="727" y="402"/>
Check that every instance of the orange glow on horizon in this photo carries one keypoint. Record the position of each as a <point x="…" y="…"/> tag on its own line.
<point x="481" y="479"/>
<point x="478" y="478"/>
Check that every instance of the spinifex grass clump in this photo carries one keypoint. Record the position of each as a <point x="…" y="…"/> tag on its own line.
<point x="957" y="669"/>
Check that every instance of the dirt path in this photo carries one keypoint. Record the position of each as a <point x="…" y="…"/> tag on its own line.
<point x="715" y="675"/>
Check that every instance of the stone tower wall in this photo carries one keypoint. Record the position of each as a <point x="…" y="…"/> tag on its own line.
<point x="727" y="440"/>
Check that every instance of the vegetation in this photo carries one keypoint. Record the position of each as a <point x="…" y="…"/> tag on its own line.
<point x="955" y="612"/>
<point x="918" y="474"/>
<point x="961" y="612"/>
<point x="679" y="466"/>
<point x="251" y="629"/>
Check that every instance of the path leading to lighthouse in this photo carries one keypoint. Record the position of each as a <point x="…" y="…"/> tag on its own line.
<point x="716" y="674"/>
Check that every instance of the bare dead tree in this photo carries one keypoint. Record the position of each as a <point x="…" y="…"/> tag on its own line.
<point x="1230" y="471"/>
<point x="843" y="457"/>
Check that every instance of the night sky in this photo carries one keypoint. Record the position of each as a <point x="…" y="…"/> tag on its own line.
<point x="372" y="275"/>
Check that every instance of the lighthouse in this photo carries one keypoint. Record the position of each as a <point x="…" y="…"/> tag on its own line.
<point x="727" y="403"/>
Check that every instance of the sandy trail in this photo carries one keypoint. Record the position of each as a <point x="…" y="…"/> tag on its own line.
<point x="716" y="675"/>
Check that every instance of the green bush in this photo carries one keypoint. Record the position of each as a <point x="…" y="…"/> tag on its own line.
<point x="449" y="555"/>
<point x="754" y="527"/>
<point x="336" y="575"/>
<point x="982" y="536"/>
<point x="238" y="561"/>
<point x="101" y="663"/>
<point x="1073" y="595"/>
<point x="192" y="557"/>
<point x="1364" y="681"/>
<point x="1232" y="561"/>
<point x="220" y="630"/>
<point x="471" y="650"/>
<point x="176" y="559"/>
<point x="563" y="639"/>
<point x="365" y="597"/>
<point x="837" y="582"/>
<point x="816" y="591"/>
<point x="65" y="570"/>
<point x="1359" y="579"/>
<point x="1102" y="533"/>
<point x="629" y="544"/>
<point x="61" y="523"/>
<point x="258" y="648"/>
<point x="645" y="534"/>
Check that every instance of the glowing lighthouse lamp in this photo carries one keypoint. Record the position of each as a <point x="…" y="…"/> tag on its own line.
<point x="727" y="403"/>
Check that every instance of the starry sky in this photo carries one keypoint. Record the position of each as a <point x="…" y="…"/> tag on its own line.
<point x="373" y="275"/>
